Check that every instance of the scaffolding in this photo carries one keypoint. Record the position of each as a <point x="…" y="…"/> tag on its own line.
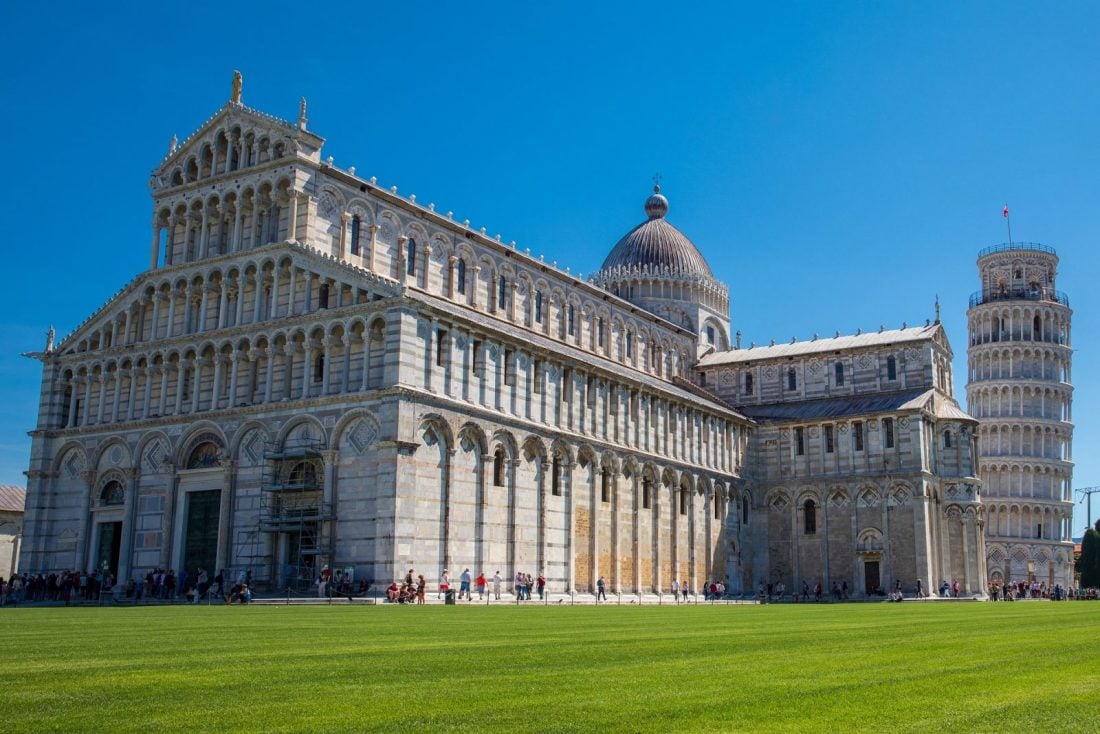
<point x="295" y="514"/>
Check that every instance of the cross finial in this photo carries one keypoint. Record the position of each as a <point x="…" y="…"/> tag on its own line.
<point x="657" y="183"/>
<point x="937" y="308"/>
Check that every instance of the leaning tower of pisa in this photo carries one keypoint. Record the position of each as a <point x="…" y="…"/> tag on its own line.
<point x="1019" y="389"/>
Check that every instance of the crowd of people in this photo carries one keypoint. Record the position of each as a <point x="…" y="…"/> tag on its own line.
<point x="1014" y="590"/>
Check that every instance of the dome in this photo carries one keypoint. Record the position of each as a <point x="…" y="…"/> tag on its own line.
<point x="656" y="244"/>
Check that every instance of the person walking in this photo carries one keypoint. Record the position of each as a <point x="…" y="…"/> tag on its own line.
<point x="444" y="584"/>
<point x="496" y="585"/>
<point x="480" y="586"/>
<point x="540" y="584"/>
<point x="920" y="590"/>
<point x="675" y="591"/>
<point x="600" y="591"/>
<point x="464" y="585"/>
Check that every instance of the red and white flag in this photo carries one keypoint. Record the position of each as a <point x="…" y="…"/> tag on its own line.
<point x="1005" y="212"/>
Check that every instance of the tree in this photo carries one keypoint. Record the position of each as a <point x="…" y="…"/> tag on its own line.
<point x="1088" y="565"/>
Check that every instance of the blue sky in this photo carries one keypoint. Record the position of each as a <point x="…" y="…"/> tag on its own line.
<point x="838" y="164"/>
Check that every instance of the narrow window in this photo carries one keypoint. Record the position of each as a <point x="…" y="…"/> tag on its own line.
<point x="605" y="485"/>
<point x="809" y="511"/>
<point x="829" y="439"/>
<point x="839" y="373"/>
<point x="947" y="439"/>
<point x="710" y="335"/>
<point x="509" y="367"/>
<point x="748" y="383"/>
<point x="475" y="361"/>
<point x="630" y="345"/>
<point x="460" y="277"/>
<point x="599" y="333"/>
<point x="410" y="257"/>
<point x="440" y="347"/>
<point x="888" y="432"/>
<point x="891" y="368"/>
<point x="498" y="468"/>
<point x="745" y="510"/>
<point x="356" y="223"/>
<point x="322" y="296"/>
<point x="570" y="320"/>
<point x="536" y="377"/>
<point x="502" y="293"/>
<point x="800" y="440"/>
<point x="1039" y="530"/>
<point x="857" y="435"/>
<point x="717" y="508"/>
<point x="646" y="501"/>
<point x="538" y="307"/>
<point x="567" y="385"/>
<point x="319" y="368"/>
<point x="555" y="476"/>
<point x="792" y="379"/>
<point x="683" y="502"/>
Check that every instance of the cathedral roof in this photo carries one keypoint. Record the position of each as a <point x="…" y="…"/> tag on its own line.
<point x="655" y="244"/>
<point x="920" y="398"/>
<point x="12" y="499"/>
<point x="815" y="346"/>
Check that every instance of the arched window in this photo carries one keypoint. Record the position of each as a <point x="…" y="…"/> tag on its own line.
<point x="717" y="508"/>
<point x="792" y="379"/>
<point x="410" y="257"/>
<point x="322" y="296"/>
<point x="683" y="502"/>
<point x="204" y="455"/>
<point x="303" y="474"/>
<point x="748" y="383"/>
<point x="498" y="468"/>
<point x="605" y="485"/>
<point x="745" y="509"/>
<point x="1037" y="329"/>
<point x="319" y="368"/>
<point x="809" y="512"/>
<point x="839" y="373"/>
<point x="570" y="320"/>
<point x="502" y="293"/>
<point x="112" y="494"/>
<point x="647" y="489"/>
<point x="891" y="368"/>
<point x="356" y="223"/>
<point x="947" y="439"/>
<point x="538" y="307"/>
<point x="460" y="276"/>
<point x="555" y="476"/>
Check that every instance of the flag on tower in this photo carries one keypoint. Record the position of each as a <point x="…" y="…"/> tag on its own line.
<point x="1005" y="212"/>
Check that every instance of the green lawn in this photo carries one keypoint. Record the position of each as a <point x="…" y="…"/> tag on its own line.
<point x="875" y="667"/>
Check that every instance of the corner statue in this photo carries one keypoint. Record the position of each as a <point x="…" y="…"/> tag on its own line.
<point x="238" y="82"/>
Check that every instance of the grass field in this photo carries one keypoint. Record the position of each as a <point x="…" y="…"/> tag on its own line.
<point x="871" y="667"/>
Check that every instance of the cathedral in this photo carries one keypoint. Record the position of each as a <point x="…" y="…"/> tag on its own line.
<point x="316" y="372"/>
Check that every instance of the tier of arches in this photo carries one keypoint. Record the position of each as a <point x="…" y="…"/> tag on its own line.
<point x="1022" y="401"/>
<point x="325" y="358"/>
<point x="1024" y="520"/>
<point x="228" y="149"/>
<point x="1016" y="363"/>
<point x="1024" y="439"/>
<point x="226" y="296"/>
<point x="1034" y="481"/>
<point x="1047" y="322"/>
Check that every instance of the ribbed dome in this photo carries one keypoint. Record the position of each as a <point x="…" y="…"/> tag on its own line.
<point x="656" y="243"/>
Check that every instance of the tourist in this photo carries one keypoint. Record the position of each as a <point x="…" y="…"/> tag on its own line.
<point x="392" y="592"/>
<point x="421" y="587"/>
<point x="684" y="590"/>
<point x="444" y="584"/>
<point x="540" y="584"/>
<point x="496" y="585"/>
<point x="464" y="584"/>
<point x="517" y="586"/>
<point x="781" y="590"/>
<point x="676" y="591"/>
<point x="480" y="586"/>
<point x="920" y="589"/>
<point x="600" y="592"/>
<point x="322" y="581"/>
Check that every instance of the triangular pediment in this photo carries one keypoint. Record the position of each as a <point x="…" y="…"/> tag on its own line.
<point x="235" y="121"/>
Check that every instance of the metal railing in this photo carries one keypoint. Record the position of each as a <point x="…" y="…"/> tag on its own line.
<point x="1010" y="246"/>
<point x="1019" y="294"/>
